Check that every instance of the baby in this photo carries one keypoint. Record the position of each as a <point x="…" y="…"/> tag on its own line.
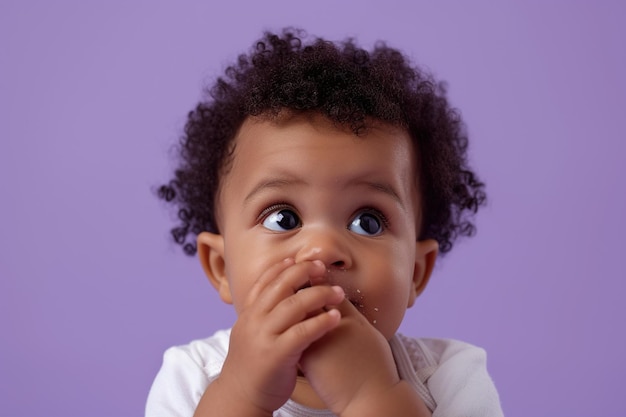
<point x="318" y="183"/>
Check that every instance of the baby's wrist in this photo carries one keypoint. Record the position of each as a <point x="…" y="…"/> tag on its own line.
<point x="228" y="399"/>
<point x="399" y="400"/>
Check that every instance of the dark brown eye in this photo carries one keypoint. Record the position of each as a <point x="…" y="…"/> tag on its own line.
<point x="281" y="220"/>
<point x="366" y="223"/>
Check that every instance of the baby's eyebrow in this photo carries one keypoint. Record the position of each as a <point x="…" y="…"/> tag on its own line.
<point x="271" y="183"/>
<point x="382" y="187"/>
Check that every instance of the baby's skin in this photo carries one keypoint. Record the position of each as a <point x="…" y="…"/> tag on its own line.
<point x="318" y="253"/>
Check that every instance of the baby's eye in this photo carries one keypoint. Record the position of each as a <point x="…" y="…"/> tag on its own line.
<point x="281" y="220"/>
<point x="367" y="223"/>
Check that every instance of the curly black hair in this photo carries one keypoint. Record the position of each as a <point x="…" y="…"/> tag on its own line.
<point x="347" y="84"/>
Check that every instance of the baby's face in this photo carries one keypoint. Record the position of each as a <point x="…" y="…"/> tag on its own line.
<point x="302" y="189"/>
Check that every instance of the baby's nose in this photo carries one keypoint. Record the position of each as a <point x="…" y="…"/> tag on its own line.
<point x="328" y="246"/>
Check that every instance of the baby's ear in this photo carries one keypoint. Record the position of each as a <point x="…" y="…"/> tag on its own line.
<point x="425" y="255"/>
<point x="211" y="254"/>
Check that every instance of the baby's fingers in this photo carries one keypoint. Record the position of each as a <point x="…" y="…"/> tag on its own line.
<point x="302" y="305"/>
<point x="283" y="282"/>
<point x="266" y="278"/>
<point x="300" y="336"/>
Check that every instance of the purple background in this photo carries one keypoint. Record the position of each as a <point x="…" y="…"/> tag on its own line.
<point x="92" y="97"/>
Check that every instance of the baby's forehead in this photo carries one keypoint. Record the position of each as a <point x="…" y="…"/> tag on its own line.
<point x="287" y="131"/>
<point x="296" y="140"/>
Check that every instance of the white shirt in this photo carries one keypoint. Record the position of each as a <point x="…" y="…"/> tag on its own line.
<point x="450" y="376"/>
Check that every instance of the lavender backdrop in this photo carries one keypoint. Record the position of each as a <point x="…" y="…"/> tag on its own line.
<point x="92" y="96"/>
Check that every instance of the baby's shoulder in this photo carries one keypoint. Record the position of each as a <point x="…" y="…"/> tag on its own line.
<point x="450" y="375"/>
<point x="208" y="354"/>
<point x="429" y="352"/>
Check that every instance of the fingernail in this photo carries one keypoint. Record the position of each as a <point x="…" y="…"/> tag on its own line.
<point x="338" y="290"/>
<point x="319" y="263"/>
<point x="334" y="312"/>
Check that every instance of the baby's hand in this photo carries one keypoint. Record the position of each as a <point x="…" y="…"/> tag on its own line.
<point x="353" y="370"/>
<point x="278" y="322"/>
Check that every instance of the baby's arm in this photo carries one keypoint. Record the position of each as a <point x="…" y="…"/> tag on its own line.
<point x="461" y="385"/>
<point x="353" y="370"/>
<point x="276" y="325"/>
